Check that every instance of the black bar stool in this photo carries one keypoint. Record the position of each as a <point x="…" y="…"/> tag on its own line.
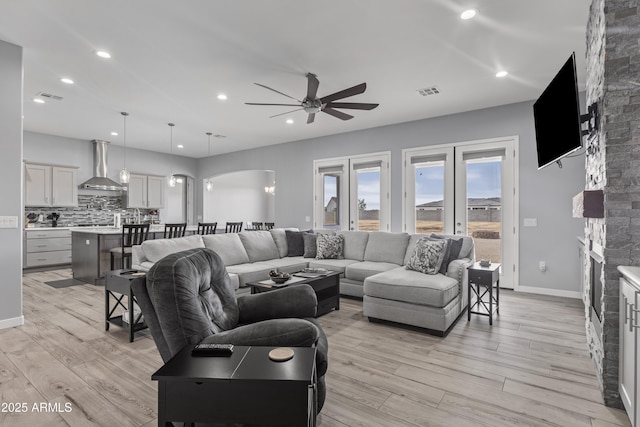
<point x="132" y="234"/>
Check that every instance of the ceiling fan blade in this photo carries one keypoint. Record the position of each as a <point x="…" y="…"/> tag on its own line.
<point x="282" y="114"/>
<point x="277" y="91"/>
<point x="352" y="105"/>
<point x="336" y="113"/>
<point x="311" y="118"/>
<point x="355" y="90"/>
<point x="312" y="86"/>
<point x="258" y="103"/>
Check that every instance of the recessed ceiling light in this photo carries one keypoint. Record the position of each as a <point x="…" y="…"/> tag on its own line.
<point x="114" y="133"/>
<point x="38" y="100"/>
<point x="222" y="97"/>
<point x="180" y="146"/>
<point x="66" y="80"/>
<point x="289" y="121"/>
<point x="501" y="74"/>
<point x="468" y="14"/>
<point x="103" y="54"/>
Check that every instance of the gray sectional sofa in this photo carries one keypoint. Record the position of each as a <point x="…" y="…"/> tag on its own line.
<point x="372" y="268"/>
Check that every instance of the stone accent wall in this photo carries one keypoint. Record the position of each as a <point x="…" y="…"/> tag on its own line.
<point x="613" y="164"/>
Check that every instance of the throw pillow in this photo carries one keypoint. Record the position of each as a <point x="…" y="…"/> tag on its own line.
<point x="295" y="244"/>
<point x="330" y="247"/>
<point x="310" y="242"/>
<point x="427" y="256"/>
<point x="452" y="251"/>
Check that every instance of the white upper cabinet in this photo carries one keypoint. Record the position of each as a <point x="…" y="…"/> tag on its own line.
<point x="145" y="191"/>
<point x="64" y="186"/>
<point x="50" y="185"/>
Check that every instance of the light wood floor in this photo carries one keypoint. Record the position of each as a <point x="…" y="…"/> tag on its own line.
<point x="530" y="368"/>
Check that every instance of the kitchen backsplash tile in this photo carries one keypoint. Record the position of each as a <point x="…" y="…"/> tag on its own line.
<point x="96" y="210"/>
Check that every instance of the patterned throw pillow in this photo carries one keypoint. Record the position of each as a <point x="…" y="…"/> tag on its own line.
<point x="330" y="247"/>
<point x="427" y="256"/>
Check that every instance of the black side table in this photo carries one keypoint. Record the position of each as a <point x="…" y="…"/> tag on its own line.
<point x="482" y="280"/>
<point x="246" y="387"/>
<point x="119" y="282"/>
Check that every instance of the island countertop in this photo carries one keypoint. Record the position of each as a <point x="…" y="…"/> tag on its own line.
<point x="155" y="228"/>
<point x="91" y="246"/>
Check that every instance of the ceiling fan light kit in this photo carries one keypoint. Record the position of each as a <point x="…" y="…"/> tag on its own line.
<point x="313" y="105"/>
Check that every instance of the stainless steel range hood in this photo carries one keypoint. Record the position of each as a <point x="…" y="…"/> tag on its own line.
<point x="100" y="180"/>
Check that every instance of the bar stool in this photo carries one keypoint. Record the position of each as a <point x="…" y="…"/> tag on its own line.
<point x="174" y="230"/>
<point x="207" y="227"/>
<point x="233" y="227"/>
<point x="132" y="234"/>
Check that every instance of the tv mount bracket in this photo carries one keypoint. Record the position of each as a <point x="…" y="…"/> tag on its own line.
<point x="591" y="119"/>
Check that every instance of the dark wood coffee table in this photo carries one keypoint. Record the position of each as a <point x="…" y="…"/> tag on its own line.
<point x="246" y="387"/>
<point x="326" y="287"/>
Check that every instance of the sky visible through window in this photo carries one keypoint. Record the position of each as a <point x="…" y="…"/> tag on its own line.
<point x="483" y="180"/>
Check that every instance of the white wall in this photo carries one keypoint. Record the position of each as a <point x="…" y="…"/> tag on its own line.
<point x="239" y="196"/>
<point x="11" y="190"/>
<point x="545" y="195"/>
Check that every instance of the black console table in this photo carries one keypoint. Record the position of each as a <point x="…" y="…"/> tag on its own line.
<point x="482" y="281"/>
<point x="119" y="282"/>
<point x="246" y="387"/>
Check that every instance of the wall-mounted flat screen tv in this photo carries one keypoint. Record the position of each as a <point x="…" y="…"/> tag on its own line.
<point x="557" y="117"/>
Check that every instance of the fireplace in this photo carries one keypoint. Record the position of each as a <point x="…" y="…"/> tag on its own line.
<point x="595" y="286"/>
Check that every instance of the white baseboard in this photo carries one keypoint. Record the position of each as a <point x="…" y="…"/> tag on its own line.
<point x="551" y="292"/>
<point x="10" y="323"/>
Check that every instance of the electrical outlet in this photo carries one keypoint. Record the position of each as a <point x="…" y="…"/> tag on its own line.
<point x="543" y="266"/>
<point x="307" y="219"/>
<point x="87" y="242"/>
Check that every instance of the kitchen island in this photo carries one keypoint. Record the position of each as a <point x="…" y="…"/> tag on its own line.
<point x="91" y="246"/>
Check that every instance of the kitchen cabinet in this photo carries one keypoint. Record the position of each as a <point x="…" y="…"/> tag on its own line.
<point x="47" y="185"/>
<point x="47" y="247"/>
<point x="629" y="372"/>
<point x="145" y="191"/>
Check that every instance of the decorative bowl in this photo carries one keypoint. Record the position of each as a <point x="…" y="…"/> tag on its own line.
<point x="280" y="277"/>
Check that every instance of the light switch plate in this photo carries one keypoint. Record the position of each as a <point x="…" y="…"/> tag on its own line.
<point x="531" y="222"/>
<point x="8" y="222"/>
<point x="307" y="219"/>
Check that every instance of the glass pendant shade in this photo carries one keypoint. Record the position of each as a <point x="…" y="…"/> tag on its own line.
<point x="171" y="180"/>
<point x="125" y="176"/>
<point x="209" y="185"/>
<point x="124" y="173"/>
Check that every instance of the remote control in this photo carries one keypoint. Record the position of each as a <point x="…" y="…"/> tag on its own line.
<point x="212" y="350"/>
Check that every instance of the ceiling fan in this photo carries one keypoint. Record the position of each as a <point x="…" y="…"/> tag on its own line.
<point x="313" y="105"/>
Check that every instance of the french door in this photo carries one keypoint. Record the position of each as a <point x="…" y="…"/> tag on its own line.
<point x="466" y="189"/>
<point x="352" y="193"/>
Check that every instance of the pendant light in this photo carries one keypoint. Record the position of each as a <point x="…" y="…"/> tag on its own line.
<point x="209" y="185"/>
<point x="124" y="173"/>
<point x="171" y="179"/>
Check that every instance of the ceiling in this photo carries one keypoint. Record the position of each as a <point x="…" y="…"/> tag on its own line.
<point x="171" y="59"/>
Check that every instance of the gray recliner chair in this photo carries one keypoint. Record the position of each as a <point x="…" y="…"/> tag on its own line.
<point x="187" y="297"/>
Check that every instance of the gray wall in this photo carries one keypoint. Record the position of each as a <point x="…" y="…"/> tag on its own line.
<point x="545" y="195"/>
<point x="56" y="150"/>
<point x="11" y="190"/>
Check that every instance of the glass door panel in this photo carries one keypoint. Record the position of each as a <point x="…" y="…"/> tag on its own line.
<point x="484" y="207"/>
<point x="428" y="184"/>
<point x="331" y="201"/>
<point x="429" y="197"/>
<point x="484" y="194"/>
<point x="368" y="199"/>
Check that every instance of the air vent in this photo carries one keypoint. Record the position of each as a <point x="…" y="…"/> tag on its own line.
<point x="50" y="96"/>
<point x="429" y="91"/>
<point x="219" y="136"/>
